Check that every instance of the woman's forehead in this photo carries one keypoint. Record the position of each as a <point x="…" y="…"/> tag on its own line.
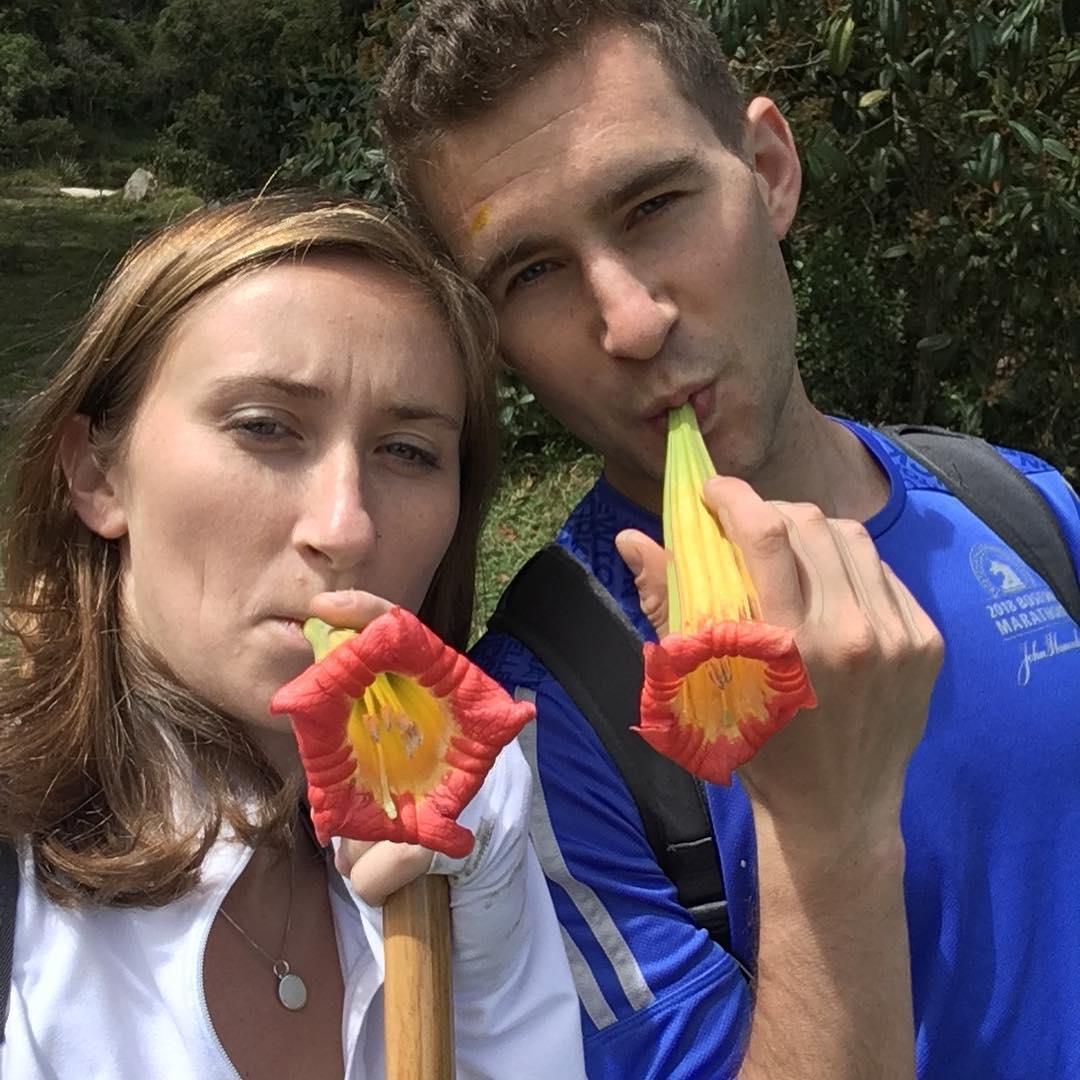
<point x="327" y="321"/>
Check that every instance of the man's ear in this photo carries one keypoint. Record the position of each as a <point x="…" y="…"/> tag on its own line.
<point x="92" y="493"/>
<point x="775" y="161"/>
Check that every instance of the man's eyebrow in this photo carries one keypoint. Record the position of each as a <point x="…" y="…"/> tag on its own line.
<point x="684" y="167"/>
<point x="657" y="173"/>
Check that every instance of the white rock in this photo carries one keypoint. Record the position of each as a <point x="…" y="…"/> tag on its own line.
<point x="139" y="184"/>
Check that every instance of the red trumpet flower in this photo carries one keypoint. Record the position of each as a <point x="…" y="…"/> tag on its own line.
<point x="396" y="732"/>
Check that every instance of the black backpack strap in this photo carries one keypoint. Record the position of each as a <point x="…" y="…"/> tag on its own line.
<point x="9" y="898"/>
<point x="1000" y="495"/>
<point x="570" y="622"/>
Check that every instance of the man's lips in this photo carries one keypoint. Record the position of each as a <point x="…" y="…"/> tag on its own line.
<point x="701" y="398"/>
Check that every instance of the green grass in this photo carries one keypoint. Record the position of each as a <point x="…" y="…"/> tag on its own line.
<point x="534" y="497"/>
<point x="56" y="251"/>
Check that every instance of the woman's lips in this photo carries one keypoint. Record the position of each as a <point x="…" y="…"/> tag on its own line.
<point x="292" y="628"/>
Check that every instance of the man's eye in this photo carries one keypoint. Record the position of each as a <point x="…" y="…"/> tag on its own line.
<point x="654" y="205"/>
<point x="531" y="273"/>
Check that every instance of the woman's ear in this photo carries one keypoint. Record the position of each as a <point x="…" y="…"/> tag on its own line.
<point x="93" y="496"/>
<point x="775" y="161"/>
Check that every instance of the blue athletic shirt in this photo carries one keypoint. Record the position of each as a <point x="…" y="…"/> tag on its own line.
<point x="991" y="818"/>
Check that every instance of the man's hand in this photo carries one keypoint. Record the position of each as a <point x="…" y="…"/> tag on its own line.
<point x="833" y="992"/>
<point x="873" y="655"/>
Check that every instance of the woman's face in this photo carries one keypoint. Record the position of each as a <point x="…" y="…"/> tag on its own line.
<point x="301" y="435"/>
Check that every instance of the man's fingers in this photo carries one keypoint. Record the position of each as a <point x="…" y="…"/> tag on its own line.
<point x="350" y="608"/>
<point x="922" y="628"/>
<point x="386" y="867"/>
<point x="647" y="561"/>
<point x="761" y="533"/>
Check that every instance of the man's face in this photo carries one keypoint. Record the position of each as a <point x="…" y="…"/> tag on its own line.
<point x="631" y="257"/>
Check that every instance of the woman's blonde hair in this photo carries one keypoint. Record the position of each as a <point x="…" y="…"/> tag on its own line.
<point x="96" y="740"/>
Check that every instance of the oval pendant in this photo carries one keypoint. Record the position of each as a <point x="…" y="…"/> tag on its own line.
<point x="291" y="992"/>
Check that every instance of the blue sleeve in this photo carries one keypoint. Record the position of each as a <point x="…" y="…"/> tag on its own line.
<point x="660" y="1000"/>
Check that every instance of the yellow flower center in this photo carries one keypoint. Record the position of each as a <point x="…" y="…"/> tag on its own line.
<point x="399" y="733"/>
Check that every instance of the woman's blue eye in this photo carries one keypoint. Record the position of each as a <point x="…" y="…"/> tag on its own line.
<point x="262" y="427"/>
<point x="411" y="454"/>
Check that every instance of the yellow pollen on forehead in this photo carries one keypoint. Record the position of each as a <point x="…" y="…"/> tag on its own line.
<point x="480" y="219"/>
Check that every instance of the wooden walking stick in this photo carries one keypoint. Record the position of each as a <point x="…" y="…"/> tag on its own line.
<point x="419" y="1021"/>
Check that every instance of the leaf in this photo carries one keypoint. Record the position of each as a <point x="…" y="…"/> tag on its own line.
<point x="834" y="160"/>
<point x="934" y="343"/>
<point x="980" y="38"/>
<point x="872" y="98"/>
<point x="897" y="251"/>
<point x="841" y="45"/>
<point x="1058" y="150"/>
<point x="1027" y="137"/>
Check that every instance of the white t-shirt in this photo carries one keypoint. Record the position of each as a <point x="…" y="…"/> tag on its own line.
<point x="117" y="994"/>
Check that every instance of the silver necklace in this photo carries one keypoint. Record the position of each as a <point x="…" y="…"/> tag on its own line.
<point x="291" y="989"/>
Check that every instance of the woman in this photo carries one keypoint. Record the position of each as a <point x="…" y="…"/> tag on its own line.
<point x="281" y="399"/>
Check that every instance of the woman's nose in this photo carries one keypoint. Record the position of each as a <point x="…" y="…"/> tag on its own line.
<point x="336" y="525"/>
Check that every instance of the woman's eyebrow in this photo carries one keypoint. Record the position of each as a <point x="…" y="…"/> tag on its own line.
<point x="305" y="391"/>
<point x="407" y="410"/>
<point x="229" y="384"/>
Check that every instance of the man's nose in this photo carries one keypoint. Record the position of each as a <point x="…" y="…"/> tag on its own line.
<point x="635" y="318"/>
<point x="335" y="526"/>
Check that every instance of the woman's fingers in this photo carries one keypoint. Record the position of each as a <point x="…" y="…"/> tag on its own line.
<point x="349" y="608"/>
<point x="348" y="851"/>
<point x="647" y="561"/>
<point x="377" y="870"/>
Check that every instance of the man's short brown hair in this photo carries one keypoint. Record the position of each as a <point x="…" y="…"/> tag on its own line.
<point x="460" y="58"/>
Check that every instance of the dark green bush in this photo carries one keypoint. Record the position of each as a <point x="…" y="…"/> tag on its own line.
<point x="942" y="142"/>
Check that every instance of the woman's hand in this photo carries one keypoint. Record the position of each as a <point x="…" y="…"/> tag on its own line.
<point x="349" y="609"/>
<point x="378" y="868"/>
<point x="488" y="885"/>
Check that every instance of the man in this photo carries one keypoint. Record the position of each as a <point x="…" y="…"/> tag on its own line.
<point x="591" y="166"/>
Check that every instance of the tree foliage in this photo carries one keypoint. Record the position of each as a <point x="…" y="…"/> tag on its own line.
<point x="941" y="141"/>
<point x="935" y="252"/>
